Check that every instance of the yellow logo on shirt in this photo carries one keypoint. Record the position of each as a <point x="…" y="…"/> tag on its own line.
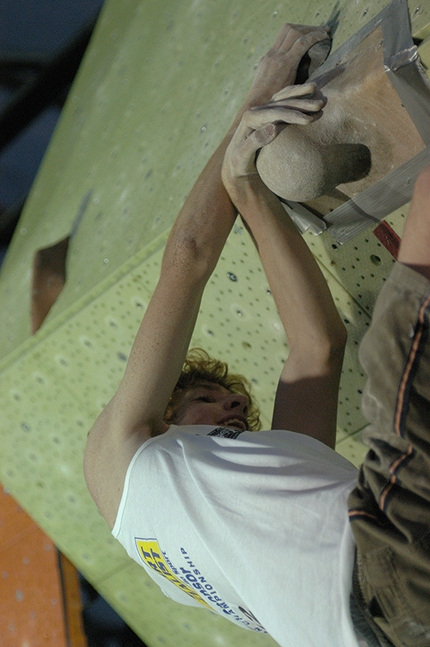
<point x="150" y="553"/>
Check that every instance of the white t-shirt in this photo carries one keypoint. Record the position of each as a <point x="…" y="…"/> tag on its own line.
<point x="252" y="525"/>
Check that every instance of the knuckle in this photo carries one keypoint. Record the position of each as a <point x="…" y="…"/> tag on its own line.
<point x="259" y="139"/>
<point x="263" y="135"/>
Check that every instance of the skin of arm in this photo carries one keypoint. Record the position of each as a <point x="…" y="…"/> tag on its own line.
<point x="307" y="394"/>
<point x="415" y="245"/>
<point x="136" y="411"/>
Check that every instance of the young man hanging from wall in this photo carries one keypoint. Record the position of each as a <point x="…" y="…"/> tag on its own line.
<point x="254" y="526"/>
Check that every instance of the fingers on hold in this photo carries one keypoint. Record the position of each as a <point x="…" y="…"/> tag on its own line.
<point x="282" y="94"/>
<point x="281" y="36"/>
<point x="305" y="88"/>
<point x="302" y="37"/>
<point x="298" y="117"/>
<point x="304" y="105"/>
<point x="306" y="41"/>
<point x="306" y="29"/>
<point x="263" y="135"/>
<point x="295" y="91"/>
<point x="293" y="112"/>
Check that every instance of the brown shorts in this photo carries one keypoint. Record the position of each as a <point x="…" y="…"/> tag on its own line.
<point x="390" y="507"/>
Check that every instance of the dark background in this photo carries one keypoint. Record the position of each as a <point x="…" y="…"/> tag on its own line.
<point x="35" y="77"/>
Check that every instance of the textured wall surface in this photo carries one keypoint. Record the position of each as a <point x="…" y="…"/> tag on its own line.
<point x="158" y="87"/>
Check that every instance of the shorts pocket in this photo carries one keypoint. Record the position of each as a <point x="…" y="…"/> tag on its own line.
<point x="397" y="599"/>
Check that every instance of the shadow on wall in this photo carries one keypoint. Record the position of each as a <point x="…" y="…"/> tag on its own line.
<point x="49" y="277"/>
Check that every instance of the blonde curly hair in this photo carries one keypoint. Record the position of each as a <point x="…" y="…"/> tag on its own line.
<point x="199" y="368"/>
